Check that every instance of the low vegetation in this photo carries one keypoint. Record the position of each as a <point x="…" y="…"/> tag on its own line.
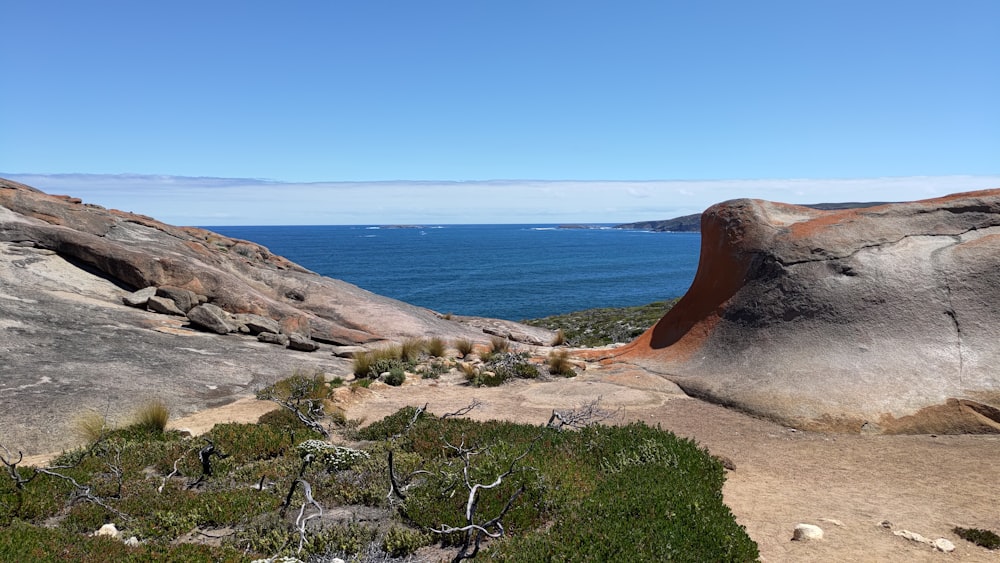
<point x="983" y="538"/>
<point x="496" y="490"/>
<point x="600" y="327"/>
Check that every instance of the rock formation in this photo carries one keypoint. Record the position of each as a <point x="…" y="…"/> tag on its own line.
<point x="101" y="310"/>
<point x="885" y="319"/>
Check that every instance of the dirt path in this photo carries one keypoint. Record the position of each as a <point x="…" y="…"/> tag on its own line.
<point x="846" y="484"/>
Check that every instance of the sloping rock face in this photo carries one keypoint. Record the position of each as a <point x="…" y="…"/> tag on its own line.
<point x="76" y="336"/>
<point x="884" y="319"/>
<point x="239" y="276"/>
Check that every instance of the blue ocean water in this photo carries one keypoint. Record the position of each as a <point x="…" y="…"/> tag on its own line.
<point x="511" y="272"/>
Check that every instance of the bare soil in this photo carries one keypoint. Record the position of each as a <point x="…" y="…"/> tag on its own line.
<point x="846" y="484"/>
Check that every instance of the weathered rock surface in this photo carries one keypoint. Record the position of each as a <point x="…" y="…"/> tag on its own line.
<point x="829" y="320"/>
<point x="70" y="342"/>
<point x="238" y="276"/>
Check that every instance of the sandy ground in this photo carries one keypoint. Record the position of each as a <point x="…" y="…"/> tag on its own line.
<point x="846" y="484"/>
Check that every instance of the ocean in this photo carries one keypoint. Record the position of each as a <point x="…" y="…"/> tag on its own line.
<point x="513" y="272"/>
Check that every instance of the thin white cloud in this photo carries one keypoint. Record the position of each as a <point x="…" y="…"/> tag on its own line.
<point x="234" y="201"/>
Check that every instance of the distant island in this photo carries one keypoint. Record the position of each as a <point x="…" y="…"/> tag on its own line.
<point x="692" y="223"/>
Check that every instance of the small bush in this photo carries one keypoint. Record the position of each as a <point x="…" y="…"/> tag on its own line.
<point x="396" y="377"/>
<point x="330" y="456"/>
<point x="559" y="364"/>
<point x="468" y="370"/>
<point x="983" y="538"/>
<point x="152" y="416"/>
<point x="400" y="542"/>
<point x="436" y="347"/>
<point x="464" y="347"/>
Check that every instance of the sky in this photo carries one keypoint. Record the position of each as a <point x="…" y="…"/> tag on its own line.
<point x="337" y="112"/>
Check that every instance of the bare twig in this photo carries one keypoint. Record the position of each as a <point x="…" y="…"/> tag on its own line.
<point x="587" y="415"/>
<point x="475" y="404"/>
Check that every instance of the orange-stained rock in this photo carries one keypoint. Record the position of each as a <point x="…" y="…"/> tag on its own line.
<point x="887" y="316"/>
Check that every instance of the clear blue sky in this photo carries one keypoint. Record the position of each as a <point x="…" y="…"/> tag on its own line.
<point x="352" y="91"/>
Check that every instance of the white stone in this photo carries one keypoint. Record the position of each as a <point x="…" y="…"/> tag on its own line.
<point x="108" y="530"/>
<point x="912" y="536"/>
<point x="807" y="532"/>
<point x="132" y="542"/>
<point x="944" y="545"/>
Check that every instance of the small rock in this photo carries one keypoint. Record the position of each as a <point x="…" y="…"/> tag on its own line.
<point x="347" y="351"/>
<point x="132" y="542"/>
<point x="108" y="530"/>
<point x="183" y="298"/>
<point x="807" y="532"/>
<point x="886" y="524"/>
<point x="912" y="536"/>
<point x="256" y="324"/>
<point x="273" y="338"/>
<point x="944" y="545"/>
<point x="139" y="298"/>
<point x="833" y="521"/>
<point x="164" y="305"/>
<point x="301" y="343"/>
<point x="211" y="317"/>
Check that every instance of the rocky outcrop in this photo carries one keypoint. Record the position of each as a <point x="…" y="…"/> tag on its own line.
<point x="80" y="287"/>
<point x="190" y="266"/>
<point x="886" y="318"/>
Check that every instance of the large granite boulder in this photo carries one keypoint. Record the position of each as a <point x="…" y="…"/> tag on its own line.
<point x="190" y="266"/>
<point x="885" y="319"/>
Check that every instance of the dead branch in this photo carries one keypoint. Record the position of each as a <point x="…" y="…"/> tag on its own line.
<point x="309" y="411"/>
<point x="475" y="404"/>
<point x="291" y="490"/>
<point x="300" y="522"/>
<point x="475" y="533"/>
<point x="587" y="415"/>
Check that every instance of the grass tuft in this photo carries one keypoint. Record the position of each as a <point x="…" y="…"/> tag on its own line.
<point x="464" y="347"/>
<point x="559" y="339"/>
<point x="90" y="426"/>
<point x="499" y="344"/>
<point x="559" y="364"/>
<point x="436" y="347"/>
<point x="152" y="416"/>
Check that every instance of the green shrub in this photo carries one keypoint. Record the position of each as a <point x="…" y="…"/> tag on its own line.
<point x="983" y="538"/>
<point x="600" y="327"/>
<point x="332" y="457"/>
<point x="395" y="377"/>
<point x="400" y="541"/>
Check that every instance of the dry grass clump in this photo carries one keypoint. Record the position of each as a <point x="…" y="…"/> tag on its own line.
<point x="499" y="344"/>
<point x="464" y="347"/>
<point x="152" y="416"/>
<point x="559" y="339"/>
<point x="468" y="370"/>
<point x="435" y="347"/>
<point x="559" y="363"/>
<point x="411" y="349"/>
<point x="90" y="426"/>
